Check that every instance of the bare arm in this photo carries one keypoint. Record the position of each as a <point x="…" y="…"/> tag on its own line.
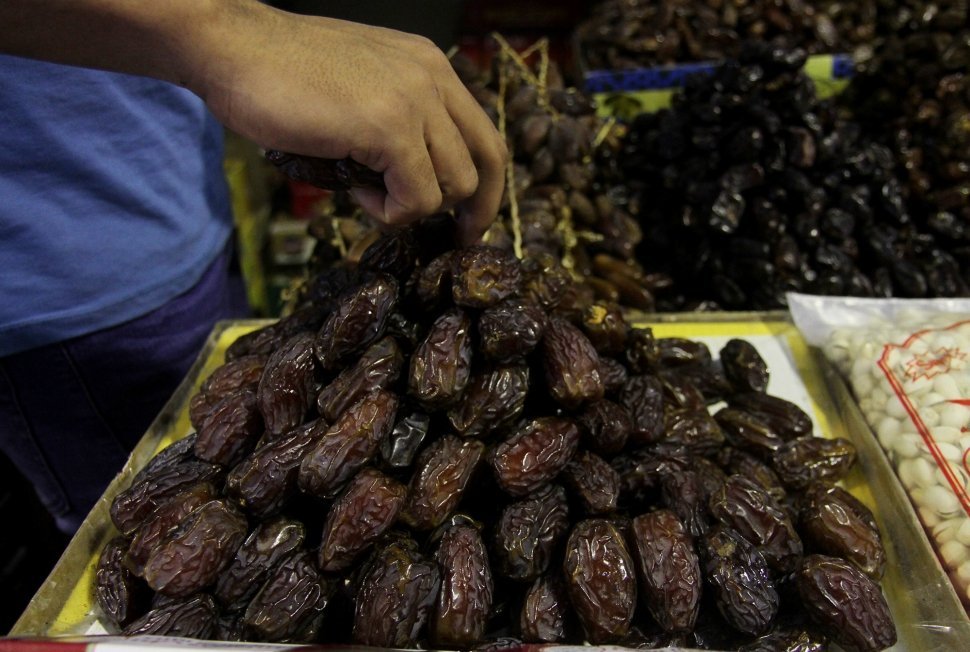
<point x="308" y="85"/>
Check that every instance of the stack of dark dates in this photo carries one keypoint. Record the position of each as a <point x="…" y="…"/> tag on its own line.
<point x="623" y="34"/>
<point x="440" y="453"/>
<point x="750" y="187"/>
<point x="914" y="96"/>
<point x="569" y="204"/>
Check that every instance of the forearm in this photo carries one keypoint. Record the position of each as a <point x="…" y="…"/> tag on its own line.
<point x="165" y="40"/>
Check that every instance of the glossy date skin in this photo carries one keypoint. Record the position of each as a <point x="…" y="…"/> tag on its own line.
<point x="835" y="523"/>
<point x="593" y="482"/>
<point x="483" y="276"/>
<point x="669" y="570"/>
<point x="285" y="391"/>
<point x="193" y="617"/>
<point x="784" y="417"/>
<point x="369" y="506"/>
<point x="121" y="596"/>
<point x="571" y="365"/>
<point x="234" y="375"/>
<point x="801" y="462"/>
<point x="377" y="368"/>
<point x="529" y="530"/>
<point x="601" y="580"/>
<point x="847" y="604"/>
<point x="401" y="446"/>
<point x="643" y="398"/>
<point x="191" y="557"/>
<point x="348" y="444"/>
<point x="465" y="599"/>
<point x="289" y="606"/>
<point x="396" y="596"/>
<point x="744" y="367"/>
<point x="738" y="576"/>
<point x="492" y="401"/>
<point x="534" y="455"/>
<point x="547" y="616"/>
<point x="441" y="365"/>
<point x="230" y="430"/>
<point x="605" y="426"/>
<point x="269" y="544"/>
<point x="511" y="330"/>
<point x="358" y="319"/>
<point x="443" y="472"/>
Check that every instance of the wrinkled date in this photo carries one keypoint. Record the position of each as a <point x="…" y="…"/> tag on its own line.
<point x="837" y="524"/>
<point x="744" y="367"/>
<point x="511" y="329"/>
<point x="241" y="373"/>
<point x="483" y="276"/>
<point x="441" y="366"/>
<point x="378" y="368"/>
<point x="289" y="606"/>
<point x="738" y="576"/>
<point x="571" y="365"/>
<point x="465" y="600"/>
<point x="529" y="530"/>
<point x="193" y="617"/>
<point x="601" y="579"/>
<point x="230" y="429"/>
<point x="358" y="319"/>
<point x="547" y="616"/>
<point x="444" y="471"/>
<point x="749" y="433"/>
<point x="534" y="455"/>
<point x="606" y="427"/>
<point x="784" y="417"/>
<point x="845" y="603"/>
<point x="191" y="557"/>
<point x="395" y="598"/>
<point x="267" y="546"/>
<point x="803" y="461"/>
<point x="286" y="387"/>
<point x="643" y="398"/>
<point x="670" y="574"/>
<point x="492" y="401"/>
<point x="121" y="596"/>
<point x="593" y="482"/>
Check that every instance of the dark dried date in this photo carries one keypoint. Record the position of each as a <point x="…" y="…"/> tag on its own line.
<point x="378" y="368"/>
<point x="193" y="617"/>
<point x="606" y="328"/>
<point x="784" y="417"/>
<point x="606" y="427"/>
<point x="191" y="557"/>
<point x="492" y="401"/>
<point x="738" y="575"/>
<point x="441" y="365"/>
<point x="534" y="455"/>
<point x="465" y="600"/>
<point x="571" y="365"/>
<point x="395" y="598"/>
<point x="511" y="330"/>
<point x="368" y="507"/>
<point x="670" y="574"/>
<point x="601" y="580"/>
<point x="593" y="482"/>
<point x="349" y="444"/>
<point x="269" y="544"/>
<point x="483" y="276"/>
<point x="547" y="616"/>
<point x="241" y="373"/>
<point x="358" y="319"/>
<point x="801" y="462"/>
<point x="643" y="398"/>
<point x="744" y="367"/>
<point x="529" y="530"/>
<point x="289" y="606"/>
<point x="121" y="596"/>
<point x="837" y="524"/>
<point x="613" y="374"/>
<point x="678" y="351"/>
<point x="400" y="447"/>
<point x="695" y="430"/>
<point x="285" y="390"/>
<point x="845" y="603"/>
<point x="394" y="254"/>
<point x="749" y="433"/>
<point x="230" y="429"/>
<point x="443" y="472"/>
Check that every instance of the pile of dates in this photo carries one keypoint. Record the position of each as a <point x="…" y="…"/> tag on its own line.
<point x="750" y="187"/>
<point x="441" y="454"/>
<point x="914" y="97"/>
<point x="623" y="34"/>
<point x="569" y="202"/>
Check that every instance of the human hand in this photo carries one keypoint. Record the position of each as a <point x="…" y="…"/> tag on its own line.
<point x="389" y="100"/>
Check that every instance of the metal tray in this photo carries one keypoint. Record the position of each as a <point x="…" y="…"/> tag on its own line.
<point x="928" y="614"/>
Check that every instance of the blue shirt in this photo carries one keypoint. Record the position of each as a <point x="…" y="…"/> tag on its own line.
<point x="112" y="199"/>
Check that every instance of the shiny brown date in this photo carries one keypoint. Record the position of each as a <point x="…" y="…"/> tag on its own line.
<point x="601" y="580"/>
<point x="606" y="328"/>
<point x="593" y="482"/>
<point x="669" y="570"/>
<point x="547" y="616"/>
<point x="286" y="387"/>
<point x="492" y="401"/>
<point x="269" y="544"/>
<point x="465" y="599"/>
<point x="695" y="430"/>
<point x="395" y="598"/>
<point x="121" y="596"/>
<point x="231" y="429"/>
<point x="528" y="531"/>
<point x="377" y="368"/>
<point x="643" y="398"/>
<point x="511" y="330"/>
<point x="749" y="433"/>
<point x="605" y="426"/>
<point x="801" y="462"/>
<point x="367" y="508"/>
<point x="848" y="605"/>
<point x="482" y="276"/>
<point x="191" y="557"/>
<point x="571" y="365"/>
<point x="744" y="367"/>
<point x="241" y="373"/>
<point x="835" y="523"/>
<point x="193" y="617"/>
<point x="443" y="472"/>
<point x="348" y="444"/>
<point x="534" y="455"/>
<point x="441" y="365"/>
<point x="784" y="417"/>
<point x="289" y="606"/>
<point x="358" y="319"/>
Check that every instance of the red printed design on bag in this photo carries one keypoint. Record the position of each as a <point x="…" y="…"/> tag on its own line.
<point x="927" y="365"/>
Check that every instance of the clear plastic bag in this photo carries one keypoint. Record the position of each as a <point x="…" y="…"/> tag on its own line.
<point x="908" y="364"/>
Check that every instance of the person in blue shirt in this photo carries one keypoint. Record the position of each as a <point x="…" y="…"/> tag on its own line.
<point x="114" y="220"/>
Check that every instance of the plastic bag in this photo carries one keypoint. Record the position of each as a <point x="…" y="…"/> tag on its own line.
<point x="908" y="364"/>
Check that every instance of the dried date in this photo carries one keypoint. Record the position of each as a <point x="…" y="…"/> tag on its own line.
<point x="801" y="462"/>
<point x="593" y="482"/>
<point x="784" y="417"/>
<point x="528" y="532"/>
<point x="835" y="523"/>
<point x="231" y="428"/>
<point x="511" y="330"/>
<point x="695" y="430"/>
<point x="744" y="367"/>
<point x="121" y="596"/>
<point x="349" y="444"/>
<point x="441" y="365"/>
<point x="571" y="365"/>
<point x="394" y="254"/>
<point x="368" y="507"/>
<point x="191" y="557"/>
<point x="400" y="447"/>
<point x="547" y="616"/>
<point x="845" y="603"/>
<point x="193" y="617"/>
<point x="378" y="368"/>
<point x="358" y="319"/>
<point x="465" y="599"/>
<point x="285" y="390"/>
<point x="606" y="427"/>
<point x="606" y="328"/>
<point x="492" y="401"/>
<point x="443" y="472"/>
<point x="669" y="570"/>
<point x="241" y="373"/>
<point x="601" y="580"/>
<point x="268" y="545"/>
<point x="643" y="398"/>
<point x="534" y="455"/>
<point x="483" y="276"/>
<point x="289" y="607"/>
<point x="395" y="598"/>
<point x="749" y="433"/>
<point x="614" y="375"/>
<point x="678" y="351"/>
<point x="738" y="575"/>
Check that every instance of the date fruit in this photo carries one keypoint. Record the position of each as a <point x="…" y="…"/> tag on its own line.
<point x="534" y="455"/>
